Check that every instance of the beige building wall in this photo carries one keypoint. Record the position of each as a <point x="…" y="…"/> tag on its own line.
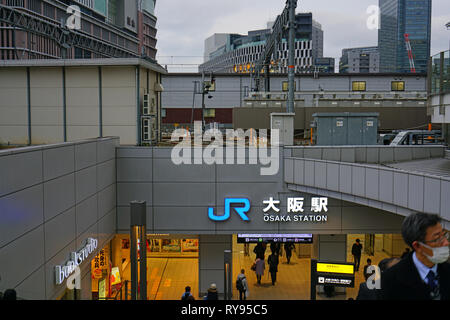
<point x="119" y="103"/>
<point x="13" y="106"/>
<point x="82" y="100"/>
<point x="46" y="91"/>
<point x="90" y="111"/>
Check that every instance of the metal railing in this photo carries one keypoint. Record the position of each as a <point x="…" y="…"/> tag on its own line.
<point x="121" y="294"/>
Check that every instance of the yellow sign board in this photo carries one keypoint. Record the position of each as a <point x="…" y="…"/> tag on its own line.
<point x="335" y="268"/>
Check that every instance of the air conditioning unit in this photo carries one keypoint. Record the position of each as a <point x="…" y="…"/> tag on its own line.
<point x="149" y="105"/>
<point x="148" y="128"/>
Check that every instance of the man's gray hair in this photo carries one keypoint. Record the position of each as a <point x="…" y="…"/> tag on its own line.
<point x="414" y="227"/>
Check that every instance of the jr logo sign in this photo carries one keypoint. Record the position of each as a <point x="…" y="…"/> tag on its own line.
<point x="228" y="202"/>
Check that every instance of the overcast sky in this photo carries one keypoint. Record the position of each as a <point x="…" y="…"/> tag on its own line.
<point x="183" y="25"/>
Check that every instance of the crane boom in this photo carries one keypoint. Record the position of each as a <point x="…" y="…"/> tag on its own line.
<point x="285" y="21"/>
<point x="410" y="54"/>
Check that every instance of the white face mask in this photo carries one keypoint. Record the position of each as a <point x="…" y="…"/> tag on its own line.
<point x="440" y="254"/>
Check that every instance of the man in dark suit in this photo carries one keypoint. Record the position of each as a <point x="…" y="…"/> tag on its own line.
<point x="356" y="252"/>
<point x="425" y="273"/>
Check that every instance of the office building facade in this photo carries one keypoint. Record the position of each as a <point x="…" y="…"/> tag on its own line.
<point x="397" y="18"/>
<point x="234" y="53"/>
<point x="360" y="60"/>
<point x="106" y="28"/>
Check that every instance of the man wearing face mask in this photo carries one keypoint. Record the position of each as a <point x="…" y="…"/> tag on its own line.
<point x="425" y="273"/>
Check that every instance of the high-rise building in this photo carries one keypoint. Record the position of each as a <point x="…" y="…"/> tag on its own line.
<point x="235" y="53"/>
<point x="360" y="60"/>
<point x="400" y="17"/>
<point x="32" y="29"/>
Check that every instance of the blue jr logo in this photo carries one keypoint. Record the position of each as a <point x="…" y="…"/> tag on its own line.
<point x="228" y="202"/>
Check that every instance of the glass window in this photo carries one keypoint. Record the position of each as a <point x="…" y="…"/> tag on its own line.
<point x="210" y="113"/>
<point x="358" y="86"/>
<point x="285" y="86"/>
<point x="398" y="85"/>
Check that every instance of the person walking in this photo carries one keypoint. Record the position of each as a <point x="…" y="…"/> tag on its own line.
<point x="259" y="251"/>
<point x="213" y="294"/>
<point x="242" y="285"/>
<point x="273" y="266"/>
<point x="425" y="273"/>
<point x="356" y="252"/>
<point x="369" y="263"/>
<point x="288" y="247"/>
<point x="187" y="295"/>
<point x="260" y="266"/>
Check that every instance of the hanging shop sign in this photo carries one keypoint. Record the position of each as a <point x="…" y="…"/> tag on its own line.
<point x="272" y="212"/>
<point x="62" y="272"/>
<point x="256" y="238"/>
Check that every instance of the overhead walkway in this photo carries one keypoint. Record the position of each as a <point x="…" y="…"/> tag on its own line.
<point x="400" y="180"/>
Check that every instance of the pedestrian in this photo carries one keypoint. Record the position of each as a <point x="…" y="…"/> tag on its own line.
<point x="425" y="273"/>
<point x="242" y="285"/>
<point x="9" y="294"/>
<point x="369" y="263"/>
<point x="260" y="266"/>
<point x="259" y="250"/>
<point x="356" y="252"/>
<point x="213" y="294"/>
<point x="273" y="266"/>
<point x="372" y="291"/>
<point x="288" y="247"/>
<point x="246" y="249"/>
<point x="405" y="253"/>
<point x="187" y="295"/>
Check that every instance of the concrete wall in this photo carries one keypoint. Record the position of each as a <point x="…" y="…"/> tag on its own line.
<point x="379" y="187"/>
<point x="88" y="102"/>
<point x="52" y="199"/>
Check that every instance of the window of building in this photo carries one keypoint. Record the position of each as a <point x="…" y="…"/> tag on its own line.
<point x="398" y="85"/>
<point x="285" y="86"/>
<point x="210" y="113"/>
<point x="358" y="86"/>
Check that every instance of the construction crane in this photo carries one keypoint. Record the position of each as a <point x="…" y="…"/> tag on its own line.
<point x="285" y="21"/>
<point x="410" y="54"/>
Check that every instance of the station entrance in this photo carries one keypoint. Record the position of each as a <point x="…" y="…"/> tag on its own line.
<point x="293" y="279"/>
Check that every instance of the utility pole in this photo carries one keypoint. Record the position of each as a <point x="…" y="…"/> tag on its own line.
<point x="291" y="63"/>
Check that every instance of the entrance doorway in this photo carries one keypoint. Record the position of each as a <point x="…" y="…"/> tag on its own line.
<point x="293" y="279"/>
<point x="172" y="264"/>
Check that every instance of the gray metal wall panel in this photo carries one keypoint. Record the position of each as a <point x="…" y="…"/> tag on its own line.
<point x="386" y="186"/>
<point x="85" y="183"/>
<point x="309" y="173"/>
<point x="183" y="194"/>
<point x="33" y="287"/>
<point x="19" y="259"/>
<point x="358" y="181"/>
<point x="333" y="176"/>
<point x="320" y="173"/>
<point x="401" y="189"/>
<point x="445" y="199"/>
<point x="106" y="174"/>
<point x="85" y="155"/>
<point x="59" y="232"/>
<point x="299" y="171"/>
<point x="345" y="179"/>
<point x="289" y="170"/>
<point x="130" y="191"/>
<point x="432" y="195"/>
<point x="106" y="200"/>
<point x="58" y="162"/>
<point x="19" y="171"/>
<point x="86" y="214"/>
<point x="134" y="169"/>
<point x="372" y="184"/>
<point x="415" y="192"/>
<point x="166" y="171"/>
<point x="59" y="195"/>
<point x="20" y="212"/>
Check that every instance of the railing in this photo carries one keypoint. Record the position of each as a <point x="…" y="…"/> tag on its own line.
<point x="440" y="73"/>
<point x="341" y="95"/>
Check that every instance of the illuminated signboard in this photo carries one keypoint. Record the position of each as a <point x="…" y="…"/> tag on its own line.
<point x="335" y="268"/>
<point x="255" y="238"/>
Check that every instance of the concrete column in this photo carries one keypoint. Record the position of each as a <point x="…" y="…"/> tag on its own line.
<point x="211" y="262"/>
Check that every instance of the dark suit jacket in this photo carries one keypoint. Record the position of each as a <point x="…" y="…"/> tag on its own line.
<point x="365" y="293"/>
<point x="403" y="282"/>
